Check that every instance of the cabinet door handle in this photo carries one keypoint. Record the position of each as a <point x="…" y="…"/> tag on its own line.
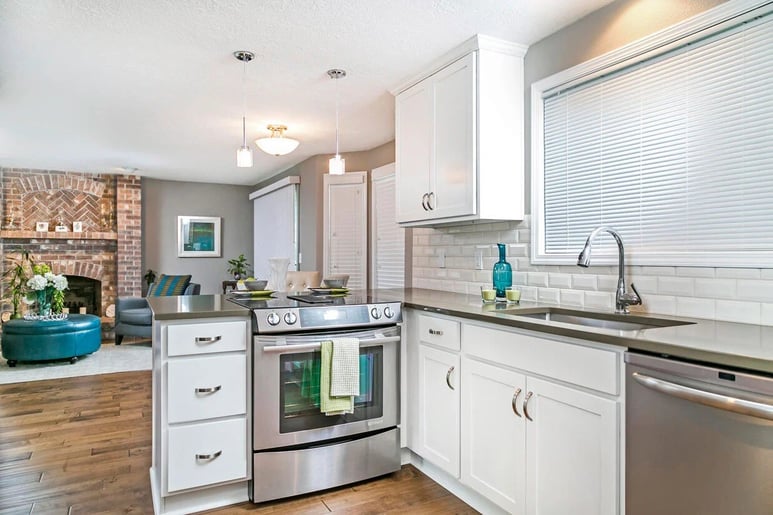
<point x="208" y="339"/>
<point x="526" y="405"/>
<point x="448" y="378"/>
<point x="424" y="199"/>
<point x="208" y="457"/>
<point x="429" y="200"/>
<point x="514" y="402"/>
<point x="211" y="389"/>
<point x="436" y="332"/>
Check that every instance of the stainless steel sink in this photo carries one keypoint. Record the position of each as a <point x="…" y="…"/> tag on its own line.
<point x="591" y="319"/>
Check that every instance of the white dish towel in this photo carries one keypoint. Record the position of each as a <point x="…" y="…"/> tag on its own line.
<point x="345" y="367"/>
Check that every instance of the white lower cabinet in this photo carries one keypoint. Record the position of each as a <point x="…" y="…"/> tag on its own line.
<point x="532" y="424"/>
<point x="438" y="418"/>
<point x="201" y="383"/>
<point x="494" y="434"/>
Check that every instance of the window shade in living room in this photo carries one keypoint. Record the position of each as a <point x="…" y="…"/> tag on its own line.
<point x="675" y="152"/>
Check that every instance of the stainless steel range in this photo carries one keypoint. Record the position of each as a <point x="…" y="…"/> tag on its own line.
<point x="297" y="448"/>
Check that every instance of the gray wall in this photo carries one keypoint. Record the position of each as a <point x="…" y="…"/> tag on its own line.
<point x="311" y="172"/>
<point x="164" y="201"/>
<point x="602" y="31"/>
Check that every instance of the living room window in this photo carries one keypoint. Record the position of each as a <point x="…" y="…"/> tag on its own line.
<point x="668" y="140"/>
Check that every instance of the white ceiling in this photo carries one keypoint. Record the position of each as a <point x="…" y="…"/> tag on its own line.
<point x="98" y="85"/>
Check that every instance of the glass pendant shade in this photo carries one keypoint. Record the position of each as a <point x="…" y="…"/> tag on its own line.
<point x="244" y="157"/>
<point x="277" y="144"/>
<point x="337" y="165"/>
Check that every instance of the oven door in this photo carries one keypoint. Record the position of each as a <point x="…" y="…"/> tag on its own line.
<point x="286" y="408"/>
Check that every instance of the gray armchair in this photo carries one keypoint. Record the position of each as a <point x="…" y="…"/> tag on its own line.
<point x="133" y="317"/>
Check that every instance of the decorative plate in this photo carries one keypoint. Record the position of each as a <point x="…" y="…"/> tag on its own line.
<point x="330" y="291"/>
<point x="252" y="293"/>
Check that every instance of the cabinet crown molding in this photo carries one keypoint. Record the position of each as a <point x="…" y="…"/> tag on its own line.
<point x="477" y="42"/>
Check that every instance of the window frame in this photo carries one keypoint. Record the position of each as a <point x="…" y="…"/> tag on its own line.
<point x="698" y="27"/>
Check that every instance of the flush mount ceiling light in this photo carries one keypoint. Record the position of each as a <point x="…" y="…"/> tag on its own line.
<point x="244" y="154"/>
<point x="277" y="144"/>
<point x="337" y="164"/>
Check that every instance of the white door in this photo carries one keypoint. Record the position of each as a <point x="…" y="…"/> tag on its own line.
<point x="275" y="225"/>
<point x="571" y="452"/>
<point x="387" y="248"/>
<point x="494" y="434"/>
<point x="452" y="188"/>
<point x="438" y="417"/>
<point x="345" y="227"/>
<point x="413" y="150"/>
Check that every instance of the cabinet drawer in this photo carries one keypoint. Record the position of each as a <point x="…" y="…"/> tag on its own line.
<point x="596" y="369"/>
<point x="439" y="331"/>
<point x="207" y="453"/>
<point x="204" y="338"/>
<point x="189" y="382"/>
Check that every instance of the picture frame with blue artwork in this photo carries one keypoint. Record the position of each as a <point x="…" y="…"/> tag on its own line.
<point x="198" y="236"/>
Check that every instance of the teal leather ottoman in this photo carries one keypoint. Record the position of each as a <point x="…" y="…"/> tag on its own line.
<point x="38" y="340"/>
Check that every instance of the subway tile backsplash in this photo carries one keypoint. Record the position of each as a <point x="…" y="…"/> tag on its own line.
<point x="730" y="294"/>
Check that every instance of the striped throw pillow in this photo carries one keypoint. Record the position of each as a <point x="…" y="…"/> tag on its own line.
<point x="167" y="285"/>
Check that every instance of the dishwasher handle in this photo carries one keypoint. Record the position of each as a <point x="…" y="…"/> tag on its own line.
<point x="715" y="400"/>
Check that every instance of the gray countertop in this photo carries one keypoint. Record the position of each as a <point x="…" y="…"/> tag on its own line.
<point x="194" y="306"/>
<point x="725" y="343"/>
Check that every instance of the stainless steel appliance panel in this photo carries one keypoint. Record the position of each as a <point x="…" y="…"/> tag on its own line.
<point x="282" y="473"/>
<point x="268" y="410"/>
<point x="699" y="439"/>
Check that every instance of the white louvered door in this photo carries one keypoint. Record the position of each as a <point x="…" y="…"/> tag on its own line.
<point x="345" y="234"/>
<point x="387" y="237"/>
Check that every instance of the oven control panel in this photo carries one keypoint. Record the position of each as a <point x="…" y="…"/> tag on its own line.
<point x="283" y="320"/>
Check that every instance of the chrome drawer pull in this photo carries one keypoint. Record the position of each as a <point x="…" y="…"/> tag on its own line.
<point x="448" y="378"/>
<point x="211" y="389"/>
<point x="526" y="405"/>
<point x="436" y="332"/>
<point x="209" y="457"/>
<point x="208" y="339"/>
<point x="514" y="402"/>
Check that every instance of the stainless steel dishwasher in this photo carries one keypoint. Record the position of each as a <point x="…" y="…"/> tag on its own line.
<point x="699" y="439"/>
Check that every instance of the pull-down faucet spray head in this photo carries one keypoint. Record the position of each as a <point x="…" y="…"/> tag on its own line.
<point x="623" y="299"/>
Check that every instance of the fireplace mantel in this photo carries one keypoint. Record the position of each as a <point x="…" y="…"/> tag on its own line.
<point x="52" y="235"/>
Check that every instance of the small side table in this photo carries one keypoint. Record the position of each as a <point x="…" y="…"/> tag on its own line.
<point x="227" y="285"/>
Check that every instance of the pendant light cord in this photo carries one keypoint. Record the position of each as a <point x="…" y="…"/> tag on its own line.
<point x="244" y="104"/>
<point x="337" y="154"/>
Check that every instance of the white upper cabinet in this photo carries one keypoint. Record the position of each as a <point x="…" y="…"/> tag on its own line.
<point x="459" y="137"/>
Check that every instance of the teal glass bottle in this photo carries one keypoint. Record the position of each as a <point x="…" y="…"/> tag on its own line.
<point x="502" y="273"/>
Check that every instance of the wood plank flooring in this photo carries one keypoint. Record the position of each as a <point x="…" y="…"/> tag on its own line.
<point x="82" y="446"/>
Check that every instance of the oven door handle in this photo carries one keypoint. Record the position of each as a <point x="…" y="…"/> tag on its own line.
<point x="315" y="346"/>
<point x="715" y="400"/>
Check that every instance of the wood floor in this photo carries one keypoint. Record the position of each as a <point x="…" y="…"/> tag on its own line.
<point x="82" y="446"/>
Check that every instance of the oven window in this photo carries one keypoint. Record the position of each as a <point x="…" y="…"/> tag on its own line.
<point x="299" y="391"/>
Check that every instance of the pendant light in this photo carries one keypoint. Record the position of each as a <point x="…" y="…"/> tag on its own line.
<point x="277" y="144"/>
<point x="337" y="164"/>
<point x="244" y="154"/>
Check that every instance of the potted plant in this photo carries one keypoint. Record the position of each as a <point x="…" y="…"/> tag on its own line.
<point x="238" y="267"/>
<point x="46" y="289"/>
<point x="150" y="277"/>
<point x="16" y="278"/>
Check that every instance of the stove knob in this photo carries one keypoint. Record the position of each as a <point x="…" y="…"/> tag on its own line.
<point x="388" y="312"/>
<point x="290" y="318"/>
<point x="273" y="319"/>
<point x="375" y="313"/>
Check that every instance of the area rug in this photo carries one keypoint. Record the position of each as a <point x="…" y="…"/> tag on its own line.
<point x="108" y="359"/>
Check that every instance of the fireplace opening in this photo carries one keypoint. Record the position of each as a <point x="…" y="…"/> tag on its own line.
<point x="83" y="292"/>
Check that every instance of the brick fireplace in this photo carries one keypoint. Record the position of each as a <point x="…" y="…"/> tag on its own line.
<point x="109" y="210"/>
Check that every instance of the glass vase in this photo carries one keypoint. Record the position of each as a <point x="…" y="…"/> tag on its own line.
<point x="44" y="303"/>
<point x="502" y="273"/>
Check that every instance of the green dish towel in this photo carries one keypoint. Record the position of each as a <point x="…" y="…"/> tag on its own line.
<point x="328" y="404"/>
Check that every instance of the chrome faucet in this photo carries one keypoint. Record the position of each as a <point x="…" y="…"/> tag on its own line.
<point x="623" y="299"/>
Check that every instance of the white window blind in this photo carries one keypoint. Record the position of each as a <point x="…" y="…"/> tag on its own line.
<point x="275" y="225"/>
<point x="675" y="152"/>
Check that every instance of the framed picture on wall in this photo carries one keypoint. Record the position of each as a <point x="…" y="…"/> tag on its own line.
<point x="198" y="236"/>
